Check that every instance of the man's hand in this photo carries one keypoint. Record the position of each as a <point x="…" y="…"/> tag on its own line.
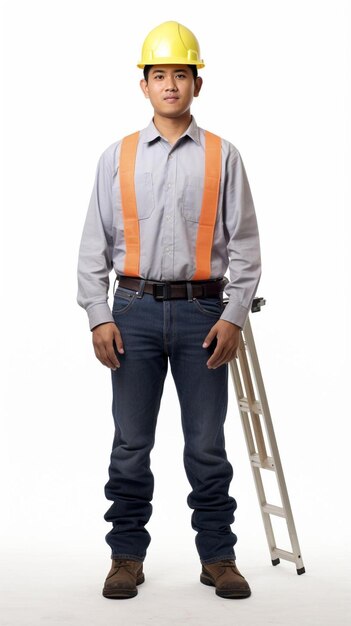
<point x="103" y="336"/>
<point x="228" y="337"/>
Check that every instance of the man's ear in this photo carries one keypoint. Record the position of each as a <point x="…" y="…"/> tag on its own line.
<point x="144" y="87"/>
<point x="198" y="85"/>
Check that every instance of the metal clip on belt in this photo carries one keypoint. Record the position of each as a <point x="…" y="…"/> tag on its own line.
<point x="162" y="291"/>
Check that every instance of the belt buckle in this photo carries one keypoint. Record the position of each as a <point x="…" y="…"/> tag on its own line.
<point x="166" y="291"/>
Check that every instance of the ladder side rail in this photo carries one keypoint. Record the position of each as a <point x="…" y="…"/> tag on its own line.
<point x="244" y="414"/>
<point x="251" y="348"/>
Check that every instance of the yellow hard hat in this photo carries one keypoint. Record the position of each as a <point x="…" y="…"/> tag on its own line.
<point x="171" y="42"/>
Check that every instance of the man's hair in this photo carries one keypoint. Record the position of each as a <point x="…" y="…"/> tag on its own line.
<point x="147" y="68"/>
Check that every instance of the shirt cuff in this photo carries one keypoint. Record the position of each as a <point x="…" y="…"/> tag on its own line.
<point x="235" y="313"/>
<point x="99" y="314"/>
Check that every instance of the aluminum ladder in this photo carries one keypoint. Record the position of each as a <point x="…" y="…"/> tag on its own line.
<point x="244" y="370"/>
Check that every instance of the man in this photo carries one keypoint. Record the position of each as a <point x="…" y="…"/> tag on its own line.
<point x="171" y="207"/>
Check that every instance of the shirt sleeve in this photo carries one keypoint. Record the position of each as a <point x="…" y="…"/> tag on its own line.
<point x="243" y="244"/>
<point x="96" y="245"/>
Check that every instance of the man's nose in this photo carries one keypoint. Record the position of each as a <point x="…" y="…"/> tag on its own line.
<point x="170" y="84"/>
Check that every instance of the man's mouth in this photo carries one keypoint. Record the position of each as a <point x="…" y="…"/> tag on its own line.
<point x="171" y="98"/>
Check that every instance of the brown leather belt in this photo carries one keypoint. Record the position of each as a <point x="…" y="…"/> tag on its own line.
<point x="166" y="290"/>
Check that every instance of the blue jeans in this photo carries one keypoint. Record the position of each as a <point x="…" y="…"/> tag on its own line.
<point x="154" y="331"/>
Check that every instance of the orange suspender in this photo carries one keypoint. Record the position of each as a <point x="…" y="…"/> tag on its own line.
<point x="209" y="206"/>
<point x="129" y="205"/>
<point x="208" y="209"/>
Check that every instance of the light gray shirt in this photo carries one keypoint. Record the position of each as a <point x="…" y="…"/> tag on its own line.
<point x="169" y="182"/>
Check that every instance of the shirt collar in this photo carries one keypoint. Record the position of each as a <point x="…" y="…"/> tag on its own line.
<point x="150" y="132"/>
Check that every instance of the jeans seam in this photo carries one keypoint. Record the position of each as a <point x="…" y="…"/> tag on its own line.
<point x="214" y="559"/>
<point x="133" y="557"/>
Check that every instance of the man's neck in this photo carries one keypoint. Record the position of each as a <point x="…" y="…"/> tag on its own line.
<point x="172" y="127"/>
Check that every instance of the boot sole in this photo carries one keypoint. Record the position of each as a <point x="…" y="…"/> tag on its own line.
<point x="225" y="593"/>
<point x="122" y="594"/>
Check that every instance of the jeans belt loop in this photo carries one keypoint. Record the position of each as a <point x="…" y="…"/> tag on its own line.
<point x="189" y="289"/>
<point x="167" y="291"/>
<point x="140" y="291"/>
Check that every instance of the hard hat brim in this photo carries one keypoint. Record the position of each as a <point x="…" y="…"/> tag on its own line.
<point x="176" y="61"/>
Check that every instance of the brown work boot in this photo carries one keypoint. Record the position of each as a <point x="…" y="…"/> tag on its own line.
<point x="122" y="579"/>
<point x="225" y="576"/>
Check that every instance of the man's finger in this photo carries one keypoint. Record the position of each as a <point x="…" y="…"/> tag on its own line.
<point x="216" y="357"/>
<point x="111" y="355"/>
<point x="100" y="356"/>
<point x="103" y="357"/>
<point x="118" y="340"/>
<point x="110" y="359"/>
<point x="221" y="355"/>
<point x="209" y="337"/>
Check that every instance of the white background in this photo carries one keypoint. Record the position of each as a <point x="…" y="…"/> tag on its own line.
<point x="276" y="84"/>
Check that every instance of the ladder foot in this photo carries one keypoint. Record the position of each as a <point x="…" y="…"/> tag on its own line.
<point x="300" y="570"/>
<point x="275" y="561"/>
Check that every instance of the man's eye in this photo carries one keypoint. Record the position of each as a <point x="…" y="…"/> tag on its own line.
<point x="181" y="75"/>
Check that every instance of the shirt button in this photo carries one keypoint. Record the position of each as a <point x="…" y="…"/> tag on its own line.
<point x="169" y="186"/>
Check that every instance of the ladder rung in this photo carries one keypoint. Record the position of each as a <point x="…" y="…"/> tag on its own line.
<point x="289" y="556"/>
<point x="245" y="406"/>
<point x="268" y="462"/>
<point x="273" y="510"/>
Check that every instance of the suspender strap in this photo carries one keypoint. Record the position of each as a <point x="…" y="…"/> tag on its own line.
<point x="127" y="159"/>
<point x="209" y="206"/>
<point x="213" y="159"/>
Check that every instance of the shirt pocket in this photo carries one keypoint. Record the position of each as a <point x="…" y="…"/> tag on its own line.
<point x="144" y="194"/>
<point x="191" y="201"/>
<point x="144" y="191"/>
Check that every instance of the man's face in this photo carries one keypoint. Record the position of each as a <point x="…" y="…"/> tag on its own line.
<point x="171" y="89"/>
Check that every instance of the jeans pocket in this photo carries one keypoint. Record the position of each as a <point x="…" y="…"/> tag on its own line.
<point x="123" y="300"/>
<point x="210" y="306"/>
